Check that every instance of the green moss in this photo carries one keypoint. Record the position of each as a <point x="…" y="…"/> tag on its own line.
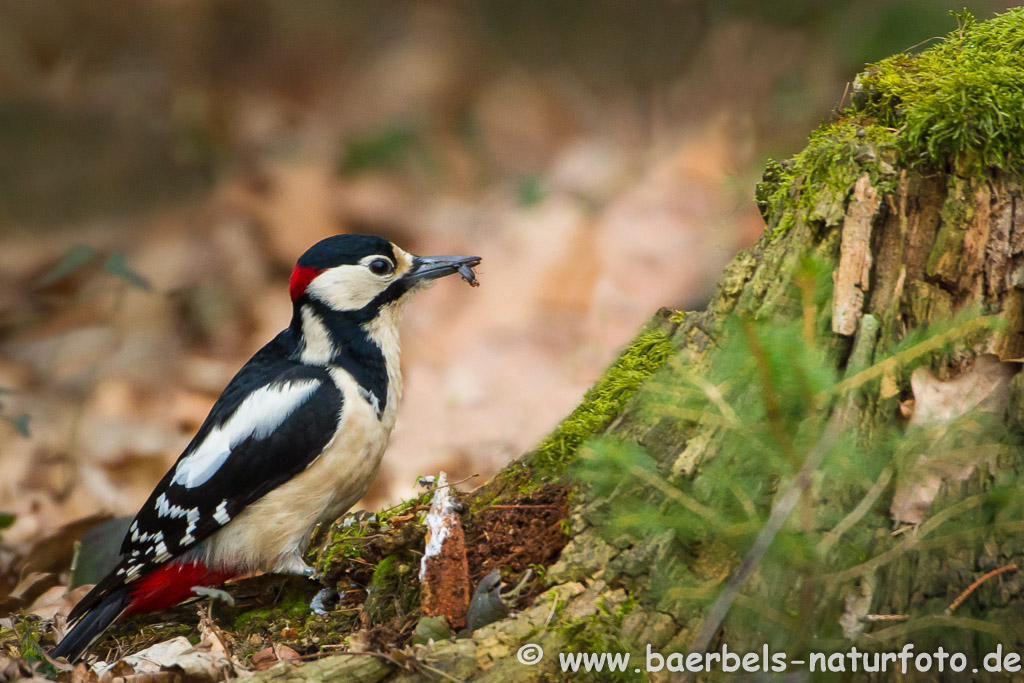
<point x="960" y="101"/>
<point x="597" y="633"/>
<point x="341" y="544"/>
<point x="293" y="610"/>
<point x="29" y="633"/>
<point x="604" y="400"/>
<point x="393" y="590"/>
<point x="288" y="619"/>
<point x="815" y="184"/>
<point x="343" y="536"/>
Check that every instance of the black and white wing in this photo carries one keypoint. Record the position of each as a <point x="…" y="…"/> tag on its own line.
<point x="274" y="418"/>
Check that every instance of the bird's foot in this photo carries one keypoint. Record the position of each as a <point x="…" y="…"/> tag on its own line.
<point x="214" y="594"/>
<point x="324" y="600"/>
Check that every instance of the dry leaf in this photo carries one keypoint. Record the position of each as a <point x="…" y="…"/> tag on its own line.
<point x="174" y="655"/>
<point x="53" y="552"/>
<point x="57" y="600"/>
<point x="31" y="586"/>
<point x="398" y="520"/>
<point x="213" y="638"/>
<point x="985" y="388"/>
<point x="359" y="642"/>
<point x="264" y="659"/>
<point x="907" y="409"/>
<point x="19" y="670"/>
<point x="272" y="654"/>
<point x="287" y="654"/>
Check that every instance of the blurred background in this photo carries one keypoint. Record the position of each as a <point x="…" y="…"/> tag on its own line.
<point x="164" y="162"/>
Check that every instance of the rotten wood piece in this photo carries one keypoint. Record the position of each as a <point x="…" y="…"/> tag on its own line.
<point x="854" y="272"/>
<point x="444" y="571"/>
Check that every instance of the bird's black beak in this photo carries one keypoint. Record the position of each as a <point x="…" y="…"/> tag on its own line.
<point x="433" y="267"/>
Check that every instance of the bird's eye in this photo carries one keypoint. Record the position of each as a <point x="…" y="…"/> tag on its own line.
<point x="381" y="266"/>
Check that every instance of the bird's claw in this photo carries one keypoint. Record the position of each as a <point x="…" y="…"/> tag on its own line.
<point x="321" y="602"/>
<point x="214" y="594"/>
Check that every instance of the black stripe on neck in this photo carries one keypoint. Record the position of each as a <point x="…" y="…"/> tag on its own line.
<point x="351" y="346"/>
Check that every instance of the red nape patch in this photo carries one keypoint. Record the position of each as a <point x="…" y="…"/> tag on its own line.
<point x="172" y="583"/>
<point x="301" y="277"/>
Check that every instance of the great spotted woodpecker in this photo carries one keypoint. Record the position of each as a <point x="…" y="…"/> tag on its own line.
<point x="295" y="439"/>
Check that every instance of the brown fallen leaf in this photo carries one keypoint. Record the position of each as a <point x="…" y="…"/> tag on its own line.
<point x="285" y="653"/>
<point x="272" y="654"/>
<point x="31" y="586"/>
<point x="171" y="656"/>
<point x="359" y="642"/>
<point x="264" y="659"/>
<point x="53" y="552"/>
<point x="83" y="674"/>
<point x="213" y="639"/>
<point x="19" y="670"/>
<point x="398" y="520"/>
<point x="57" y="600"/>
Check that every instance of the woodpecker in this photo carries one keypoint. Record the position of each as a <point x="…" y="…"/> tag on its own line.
<point x="295" y="439"/>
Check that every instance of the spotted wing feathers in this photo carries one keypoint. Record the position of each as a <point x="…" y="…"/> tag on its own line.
<point x="275" y="417"/>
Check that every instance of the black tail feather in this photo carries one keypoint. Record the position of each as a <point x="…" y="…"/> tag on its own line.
<point x="91" y="626"/>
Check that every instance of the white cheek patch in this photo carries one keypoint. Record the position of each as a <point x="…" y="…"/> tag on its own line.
<point x="258" y="415"/>
<point x="347" y="288"/>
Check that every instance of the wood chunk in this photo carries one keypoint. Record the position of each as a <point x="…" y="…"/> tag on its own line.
<point x="444" y="571"/>
<point x="854" y="272"/>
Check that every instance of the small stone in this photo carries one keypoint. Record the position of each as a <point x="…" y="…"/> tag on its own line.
<point x="584" y="555"/>
<point x="660" y="628"/>
<point x="633" y="625"/>
<point x="486" y="605"/>
<point x="431" y="628"/>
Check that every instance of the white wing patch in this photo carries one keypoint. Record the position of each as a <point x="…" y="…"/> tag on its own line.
<point x="260" y="413"/>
